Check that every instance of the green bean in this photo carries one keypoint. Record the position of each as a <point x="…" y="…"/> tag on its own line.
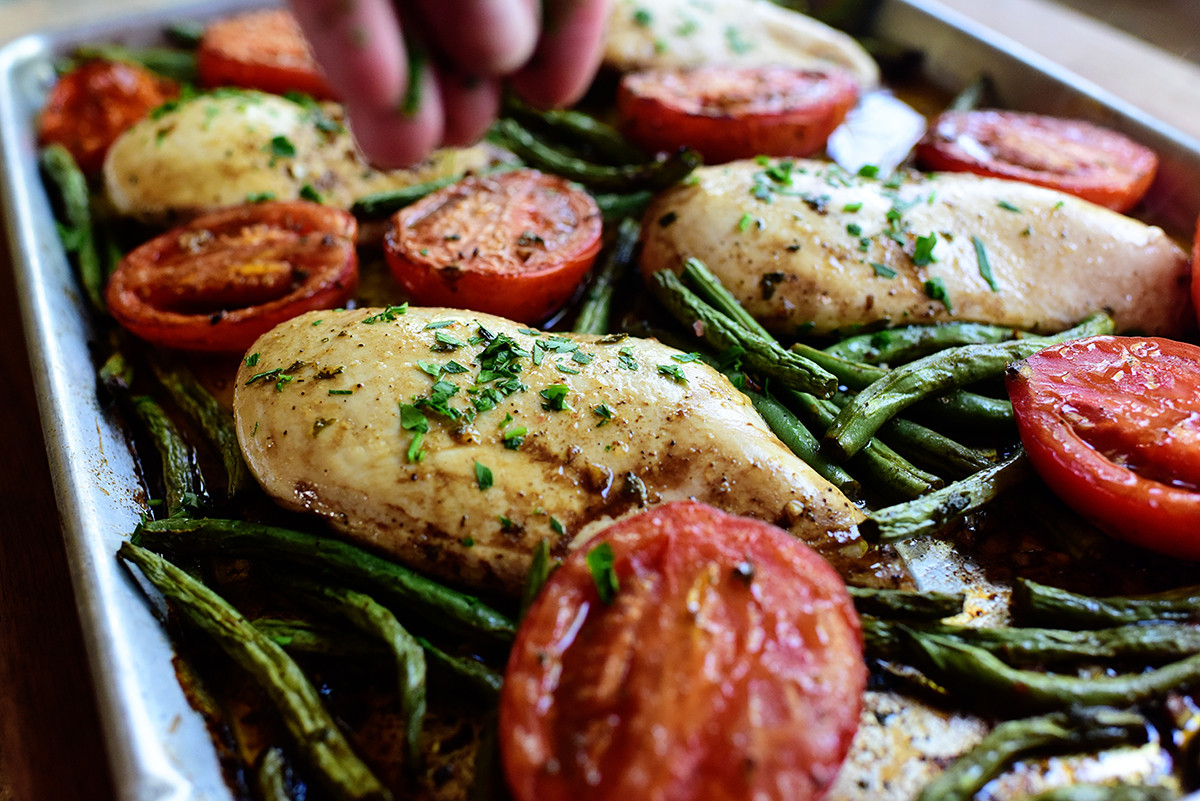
<point x="709" y="288"/>
<point x="185" y="33"/>
<point x="182" y="493"/>
<point x="935" y="451"/>
<point x="316" y="735"/>
<point x="658" y="174"/>
<point x="1062" y="732"/>
<point x="931" y="513"/>
<point x="883" y="468"/>
<point x="387" y="580"/>
<point x="480" y="678"/>
<point x="619" y="205"/>
<point x="207" y="413"/>
<point x="388" y="201"/>
<point x="178" y="65"/>
<point x="853" y="374"/>
<point x="982" y="679"/>
<point x="934" y="375"/>
<point x="368" y="616"/>
<point x="302" y="636"/>
<point x="271" y="777"/>
<point x="306" y="637"/>
<point x="539" y="571"/>
<point x="760" y="355"/>
<point x="899" y="345"/>
<point x="1040" y="603"/>
<point x="801" y="441"/>
<point x="1147" y="642"/>
<point x="905" y="604"/>
<point x="594" y="311"/>
<point x="77" y="229"/>
<point x="579" y="128"/>
<point x="1105" y="792"/>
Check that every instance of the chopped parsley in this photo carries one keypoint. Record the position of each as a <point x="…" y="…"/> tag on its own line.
<point x="554" y="397"/>
<point x="604" y="413"/>
<point x="514" y="438"/>
<point x="935" y="289"/>
<point x="923" y="251"/>
<point x="444" y="341"/>
<point x="625" y="359"/>
<point x="281" y="147"/>
<point x="556" y="526"/>
<point x="252" y="359"/>
<point x="387" y="315"/>
<point x="412" y="419"/>
<point x="1004" y="204"/>
<point x="674" y="372"/>
<point x="985" y="267"/>
<point x="882" y="270"/>
<point x="600" y="561"/>
<point x="483" y="476"/>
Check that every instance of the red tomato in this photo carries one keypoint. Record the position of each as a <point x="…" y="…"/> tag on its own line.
<point x="1072" y="156"/>
<point x="727" y="666"/>
<point x="1196" y="270"/>
<point x="93" y="104"/>
<point x="222" y="280"/>
<point x="260" y="50"/>
<point x="515" y="244"/>
<point x="728" y="112"/>
<point x="1112" y="424"/>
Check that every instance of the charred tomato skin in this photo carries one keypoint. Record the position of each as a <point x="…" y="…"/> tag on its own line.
<point x="220" y="281"/>
<point x="515" y="244"/>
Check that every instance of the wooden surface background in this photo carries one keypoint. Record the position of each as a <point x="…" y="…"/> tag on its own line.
<point x="50" y="745"/>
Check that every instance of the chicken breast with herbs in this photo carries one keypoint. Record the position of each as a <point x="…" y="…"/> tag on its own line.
<point x="808" y="247"/>
<point x="231" y="146"/>
<point x="653" y="34"/>
<point x="458" y="441"/>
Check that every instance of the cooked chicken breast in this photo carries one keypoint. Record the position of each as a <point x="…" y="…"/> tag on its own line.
<point x="532" y="436"/>
<point x="232" y="146"/>
<point x="806" y="246"/>
<point x="646" y="34"/>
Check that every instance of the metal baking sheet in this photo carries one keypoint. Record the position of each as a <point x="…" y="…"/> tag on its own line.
<point x="158" y="746"/>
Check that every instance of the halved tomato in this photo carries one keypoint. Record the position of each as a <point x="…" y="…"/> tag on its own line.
<point x="1112" y="425"/>
<point x="94" y="103"/>
<point x="684" y="653"/>
<point x="515" y="243"/>
<point x="220" y="281"/>
<point x="1073" y="156"/>
<point x="728" y="112"/>
<point x="260" y="50"/>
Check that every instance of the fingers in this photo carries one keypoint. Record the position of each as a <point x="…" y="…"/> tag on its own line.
<point x="483" y="37"/>
<point x="391" y="136"/>
<point x="567" y="54"/>
<point x="359" y="47"/>
<point x="472" y="44"/>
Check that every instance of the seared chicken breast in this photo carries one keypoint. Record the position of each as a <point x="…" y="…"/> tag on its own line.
<point x="231" y="146"/>
<point x="652" y="34"/>
<point x="807" y="246"/>
<point x="458" y="441"/>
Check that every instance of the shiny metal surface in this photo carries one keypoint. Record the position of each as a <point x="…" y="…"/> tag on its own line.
<point x="159" y="747"/>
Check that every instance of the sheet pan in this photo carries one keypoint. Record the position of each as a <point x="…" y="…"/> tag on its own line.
<point x="158" y="746"/>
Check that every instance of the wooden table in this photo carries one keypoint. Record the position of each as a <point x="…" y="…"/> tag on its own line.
<point x="50" y="746"/>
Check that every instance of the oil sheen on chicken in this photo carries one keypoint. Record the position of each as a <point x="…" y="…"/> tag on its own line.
<point x="530" y="436"/>
<point x="807" y="246"/>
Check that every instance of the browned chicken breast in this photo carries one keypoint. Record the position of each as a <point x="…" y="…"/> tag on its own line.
<point x="457" y="441"/>
<point x="806" y="246"/>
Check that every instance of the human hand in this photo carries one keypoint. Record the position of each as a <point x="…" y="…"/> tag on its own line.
<point x="368" y="49"/>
